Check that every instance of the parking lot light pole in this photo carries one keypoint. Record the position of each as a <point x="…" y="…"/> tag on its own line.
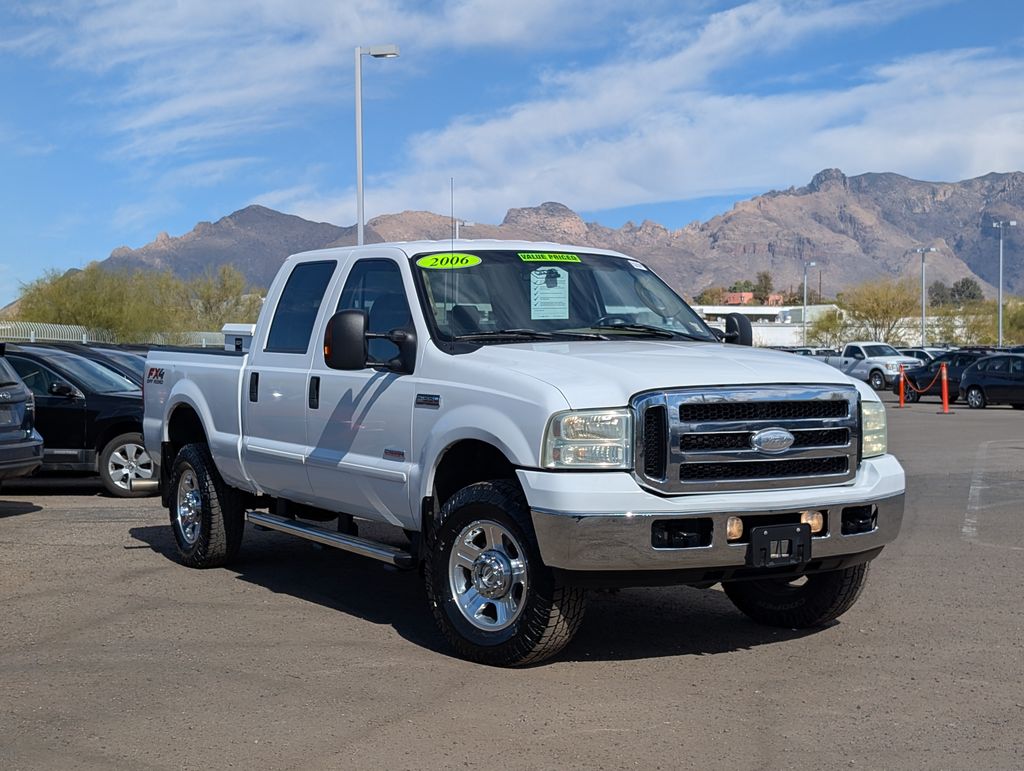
<point x="389" y="51"/>
<point x="1002" y="225"/>
<point x="807" y="265"/>
<point x="923" y="250"/>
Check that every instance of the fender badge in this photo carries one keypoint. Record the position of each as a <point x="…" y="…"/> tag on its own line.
<point x="430" y="401"/>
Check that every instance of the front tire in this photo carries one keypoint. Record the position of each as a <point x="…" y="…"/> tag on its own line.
<point x="491" y="595"/>
<point x="910" y="396"/>
<point x="207" y="516"/>
<point x="877" y="380"/>
<point x="976" y="398"/>
<point x="822" y="598"/>
<point x="124" y="461"/>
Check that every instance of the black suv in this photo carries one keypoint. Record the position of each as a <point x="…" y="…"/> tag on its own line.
<point x="130" y="364"/>
<point x="90" y="416"/>
<point x="21" y="447"/>
<point x="995" y="380"/>
<point x="926" y="380"/>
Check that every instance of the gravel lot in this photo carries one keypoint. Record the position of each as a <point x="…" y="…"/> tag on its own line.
<point x="114" y="656"/>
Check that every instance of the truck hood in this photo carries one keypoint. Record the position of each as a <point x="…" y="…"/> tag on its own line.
<point x="608" y="373"/>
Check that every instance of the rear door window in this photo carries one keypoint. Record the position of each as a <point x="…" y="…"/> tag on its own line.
<point x="296" y="311"/>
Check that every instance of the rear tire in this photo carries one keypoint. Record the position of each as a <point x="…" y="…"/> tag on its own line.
<point x="207" y="516"/>
<point x="124" y="460"/>
<point x="910" y="396"/>
<point x="780" y="602"/>
<point x="976" y="398"/>
<point x="491" y="595"/>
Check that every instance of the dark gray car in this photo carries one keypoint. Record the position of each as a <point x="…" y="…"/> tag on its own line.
<point x="21" y="446"/>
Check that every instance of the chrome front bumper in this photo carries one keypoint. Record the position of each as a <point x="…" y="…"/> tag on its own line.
<point x="623" y="542"/>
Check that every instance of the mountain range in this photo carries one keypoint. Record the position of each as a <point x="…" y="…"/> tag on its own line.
<point x="854" y="228"/>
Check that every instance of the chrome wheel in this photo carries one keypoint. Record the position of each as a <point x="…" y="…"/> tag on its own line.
<point x="877" y="380"/>
<point x="188" y="510"/>
<point x="487" y="571"/>
<point x="127" y="463"/>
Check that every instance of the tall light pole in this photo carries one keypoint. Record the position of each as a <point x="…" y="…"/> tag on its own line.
<point x="923" y="250"/>
<point x="1002" y="225"/>
<point x="807" y="265"/>
<point x="389" y="51"/>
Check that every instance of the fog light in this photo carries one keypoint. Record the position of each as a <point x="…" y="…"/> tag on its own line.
<point x="814" y="519"/>
<point x="734" y="528"/>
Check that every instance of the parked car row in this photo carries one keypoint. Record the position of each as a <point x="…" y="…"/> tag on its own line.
<point x="81" y="406"/>
<point x="979" y="376"/>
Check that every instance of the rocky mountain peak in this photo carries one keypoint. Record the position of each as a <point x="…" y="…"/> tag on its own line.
<point x="828" y="179"/>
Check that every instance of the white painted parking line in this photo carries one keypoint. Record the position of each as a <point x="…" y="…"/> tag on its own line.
<point x="996" y="497"/>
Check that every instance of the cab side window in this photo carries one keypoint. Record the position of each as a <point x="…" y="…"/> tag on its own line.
<point x="296" y="311"/>
<point x="375" y="286"/>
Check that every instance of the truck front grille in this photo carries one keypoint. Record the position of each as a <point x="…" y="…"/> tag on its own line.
<point x="703" y="440"/>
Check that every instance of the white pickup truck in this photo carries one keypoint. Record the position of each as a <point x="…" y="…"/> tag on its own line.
<point x="875" y="363"/>
<point x="538" y="419"/>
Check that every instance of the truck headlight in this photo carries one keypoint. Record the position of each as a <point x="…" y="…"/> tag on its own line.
<point x="892" y="366"/>
<point x="589" y="439"/>
<point x="874" y="440"/>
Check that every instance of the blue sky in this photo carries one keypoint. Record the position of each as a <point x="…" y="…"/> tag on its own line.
<point x="120" y="120"/>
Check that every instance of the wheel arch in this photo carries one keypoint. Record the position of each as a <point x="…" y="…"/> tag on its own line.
<point x="113" y="429"/>
<point x="462" y="463"/>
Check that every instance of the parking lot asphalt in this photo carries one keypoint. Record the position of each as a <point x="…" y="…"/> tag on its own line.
<point x="114" y="656"/>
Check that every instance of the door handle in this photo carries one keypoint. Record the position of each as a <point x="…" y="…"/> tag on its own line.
<point x="254" y="386"/>
<point x="314" y="392"/>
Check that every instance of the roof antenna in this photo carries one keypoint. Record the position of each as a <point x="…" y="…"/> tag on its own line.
<point x="452" y="182"/>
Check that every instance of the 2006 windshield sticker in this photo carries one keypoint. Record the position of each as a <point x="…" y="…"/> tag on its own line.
<point x="448" y="261"/>
<point x="547" y="257"/>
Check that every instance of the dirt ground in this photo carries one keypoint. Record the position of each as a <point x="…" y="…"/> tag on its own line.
<point x="114" y="656"/>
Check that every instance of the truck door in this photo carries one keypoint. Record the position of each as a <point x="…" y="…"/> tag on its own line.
<point x="360" y="422"/>
<point x="852" y="358"/>
<point x="274" y="443"/>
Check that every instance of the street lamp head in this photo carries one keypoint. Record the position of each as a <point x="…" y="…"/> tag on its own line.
<point x="387" y="51"/>
<point x="810" y="264"/>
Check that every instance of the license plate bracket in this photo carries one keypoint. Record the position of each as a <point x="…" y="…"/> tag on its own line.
<point x="779" y="545"/>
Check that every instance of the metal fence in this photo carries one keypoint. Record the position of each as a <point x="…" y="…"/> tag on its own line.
<point x="35" y="332"/>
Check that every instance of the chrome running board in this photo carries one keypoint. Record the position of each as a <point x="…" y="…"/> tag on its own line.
<point x="350" y="543"/>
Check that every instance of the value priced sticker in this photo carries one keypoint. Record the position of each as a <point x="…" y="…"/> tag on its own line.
<point x="448" y="261"/>
<point x="547" y="257"/>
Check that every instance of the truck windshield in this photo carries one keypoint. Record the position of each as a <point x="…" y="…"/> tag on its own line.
<point x="880" y="350"/>
<point x="503" y="296"/>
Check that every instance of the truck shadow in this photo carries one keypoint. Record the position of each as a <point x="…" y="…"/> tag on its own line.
<point x="649" y="623"/>
<point x="642" y="623"/>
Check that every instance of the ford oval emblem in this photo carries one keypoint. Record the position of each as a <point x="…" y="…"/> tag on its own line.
<point x="772" y="440"/>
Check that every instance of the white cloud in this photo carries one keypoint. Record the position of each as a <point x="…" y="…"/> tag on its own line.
<point x="655" y="128"/>
<point x="649" y="124"/>
<point x="190" y="73"/>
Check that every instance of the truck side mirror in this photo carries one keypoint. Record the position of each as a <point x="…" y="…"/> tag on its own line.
<point x="738" y="330"/>
<point x="345" y="340"/>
